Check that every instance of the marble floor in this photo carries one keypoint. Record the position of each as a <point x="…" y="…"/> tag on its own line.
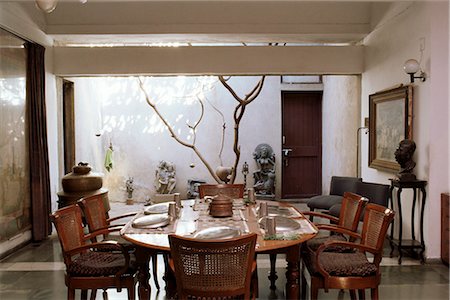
<point x="37" y="272"/>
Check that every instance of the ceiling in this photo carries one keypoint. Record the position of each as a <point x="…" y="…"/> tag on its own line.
<point x="210" y="23"/>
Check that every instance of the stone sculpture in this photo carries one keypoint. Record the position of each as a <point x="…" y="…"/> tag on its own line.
<point x="165" y="180"/>
<point x="130" y="187"/>
<point x="193" y="188"/>
<point x="265" y="174"/>
<point x="403" y="155"/>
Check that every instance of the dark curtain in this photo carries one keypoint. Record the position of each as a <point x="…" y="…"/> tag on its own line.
<point x="37" y="120"/>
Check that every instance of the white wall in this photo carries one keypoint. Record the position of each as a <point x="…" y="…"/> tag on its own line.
<point x="395" y="40"/>
<point x="340" y="111"/>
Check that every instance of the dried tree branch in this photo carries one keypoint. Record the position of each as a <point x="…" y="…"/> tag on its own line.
<point x="224" y="126"/>
<point x="238" y="114"/>
<point x="175" y="136"/>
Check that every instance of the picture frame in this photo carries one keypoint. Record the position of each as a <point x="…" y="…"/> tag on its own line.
<point x="390" y="121"/>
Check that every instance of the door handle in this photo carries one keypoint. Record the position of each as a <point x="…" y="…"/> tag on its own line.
<point x="286" y="151"/>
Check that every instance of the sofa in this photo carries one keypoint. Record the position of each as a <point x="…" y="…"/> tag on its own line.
<point x="338" y="186"/>
<point x="374" y="192"/>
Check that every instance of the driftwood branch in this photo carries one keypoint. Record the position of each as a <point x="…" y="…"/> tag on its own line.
<point x="224" y="126"/>
<point x="238" y="114"/>
<point x="175" y="136"/>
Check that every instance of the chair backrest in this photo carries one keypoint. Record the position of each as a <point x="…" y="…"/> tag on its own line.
<point x="208" y="268"/>
<point x="375" y="192"/>
<point x="94" y="212"/>
<point x="351" y="209"/>
<point x="375" y="225"/>
<point x="69" y="226"/>
<point x="231" y="190"/>
<point x="340" y="184"/>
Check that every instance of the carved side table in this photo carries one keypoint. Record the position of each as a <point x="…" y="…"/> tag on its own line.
<point x="411" y="244"/>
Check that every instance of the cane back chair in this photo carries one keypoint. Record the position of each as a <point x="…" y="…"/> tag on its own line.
<point x="213" y="268"/>
<point x="351" y="270"/>
<point x="97" y="218"/>
<point x="351" y="210"/>
<point x="88" y="268"/>
<point x="352" y="206"/>
<point x="232" y="190"/>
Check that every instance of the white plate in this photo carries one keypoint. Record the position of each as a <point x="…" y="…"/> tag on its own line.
<point x="215" y="233"/>
<point x="282" y="224"/>
<point x="151" y="221"/>
<point x="160" y="208"/>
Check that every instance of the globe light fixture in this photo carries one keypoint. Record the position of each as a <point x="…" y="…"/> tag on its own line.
<point x="47" y="5"/>
<point x="411" y="67"/>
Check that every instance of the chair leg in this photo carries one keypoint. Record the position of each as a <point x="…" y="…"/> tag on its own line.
<point x="273" y="273"/>
<point x="155" y="270"/>
<point x="70" y="294"/>
<point x="131" y="291"/>
<point x="254" y="284"/>
<point x="84" y="294"/>
<point x="105" y="295"/>
<point x="374" y="293"/>
<point x="362" y="294"/>
<point x="353" y="294"/>
<point x="314" y="289"/>
<point x="303" y="282"/>
<point x="93" y="294"/>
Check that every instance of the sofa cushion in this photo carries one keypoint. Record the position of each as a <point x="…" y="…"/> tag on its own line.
<point x="335" y="210"/>
<point x="323" y="201"/>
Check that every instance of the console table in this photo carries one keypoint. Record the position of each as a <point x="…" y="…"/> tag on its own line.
<point x="411" y="244"/>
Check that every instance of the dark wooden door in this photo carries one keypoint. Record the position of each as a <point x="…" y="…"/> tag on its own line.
<point x="301" y="144"/>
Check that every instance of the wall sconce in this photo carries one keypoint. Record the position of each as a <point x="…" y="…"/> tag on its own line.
<point x="48" y="6"/>
<point x="411" y="67"/>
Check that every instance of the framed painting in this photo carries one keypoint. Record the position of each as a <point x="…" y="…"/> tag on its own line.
<point x="390" y="121"/>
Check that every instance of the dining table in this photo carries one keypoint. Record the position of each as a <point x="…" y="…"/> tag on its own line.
<point x="194" y="220"/>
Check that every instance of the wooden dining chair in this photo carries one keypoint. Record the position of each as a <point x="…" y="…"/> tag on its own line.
<point x="232" y="190"/>
<point x="92" y="266"/>
<point x="97" y="218"/>
<point x="352" y="207"/>
<point x="350" y="270"/>
<point x="213" y="268"/>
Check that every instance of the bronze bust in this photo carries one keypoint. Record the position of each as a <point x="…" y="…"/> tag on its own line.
<point x="403" y="155"/>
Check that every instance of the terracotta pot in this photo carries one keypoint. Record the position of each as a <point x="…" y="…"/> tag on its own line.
<point x="81" y="179"/>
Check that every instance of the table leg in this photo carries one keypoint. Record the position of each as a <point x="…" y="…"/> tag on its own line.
<point x="400" y="226"/>
<point x="293" y="272"/>
<point x="422" y="242"/>
<point x="391" y="239"/>
<point x="273" y="273"/>
<point x="143" y="259"/>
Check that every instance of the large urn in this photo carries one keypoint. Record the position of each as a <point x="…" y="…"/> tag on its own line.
<point x="79" y="183"/>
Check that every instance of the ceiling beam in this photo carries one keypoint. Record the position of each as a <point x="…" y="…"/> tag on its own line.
<point x="70" y="61"/>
